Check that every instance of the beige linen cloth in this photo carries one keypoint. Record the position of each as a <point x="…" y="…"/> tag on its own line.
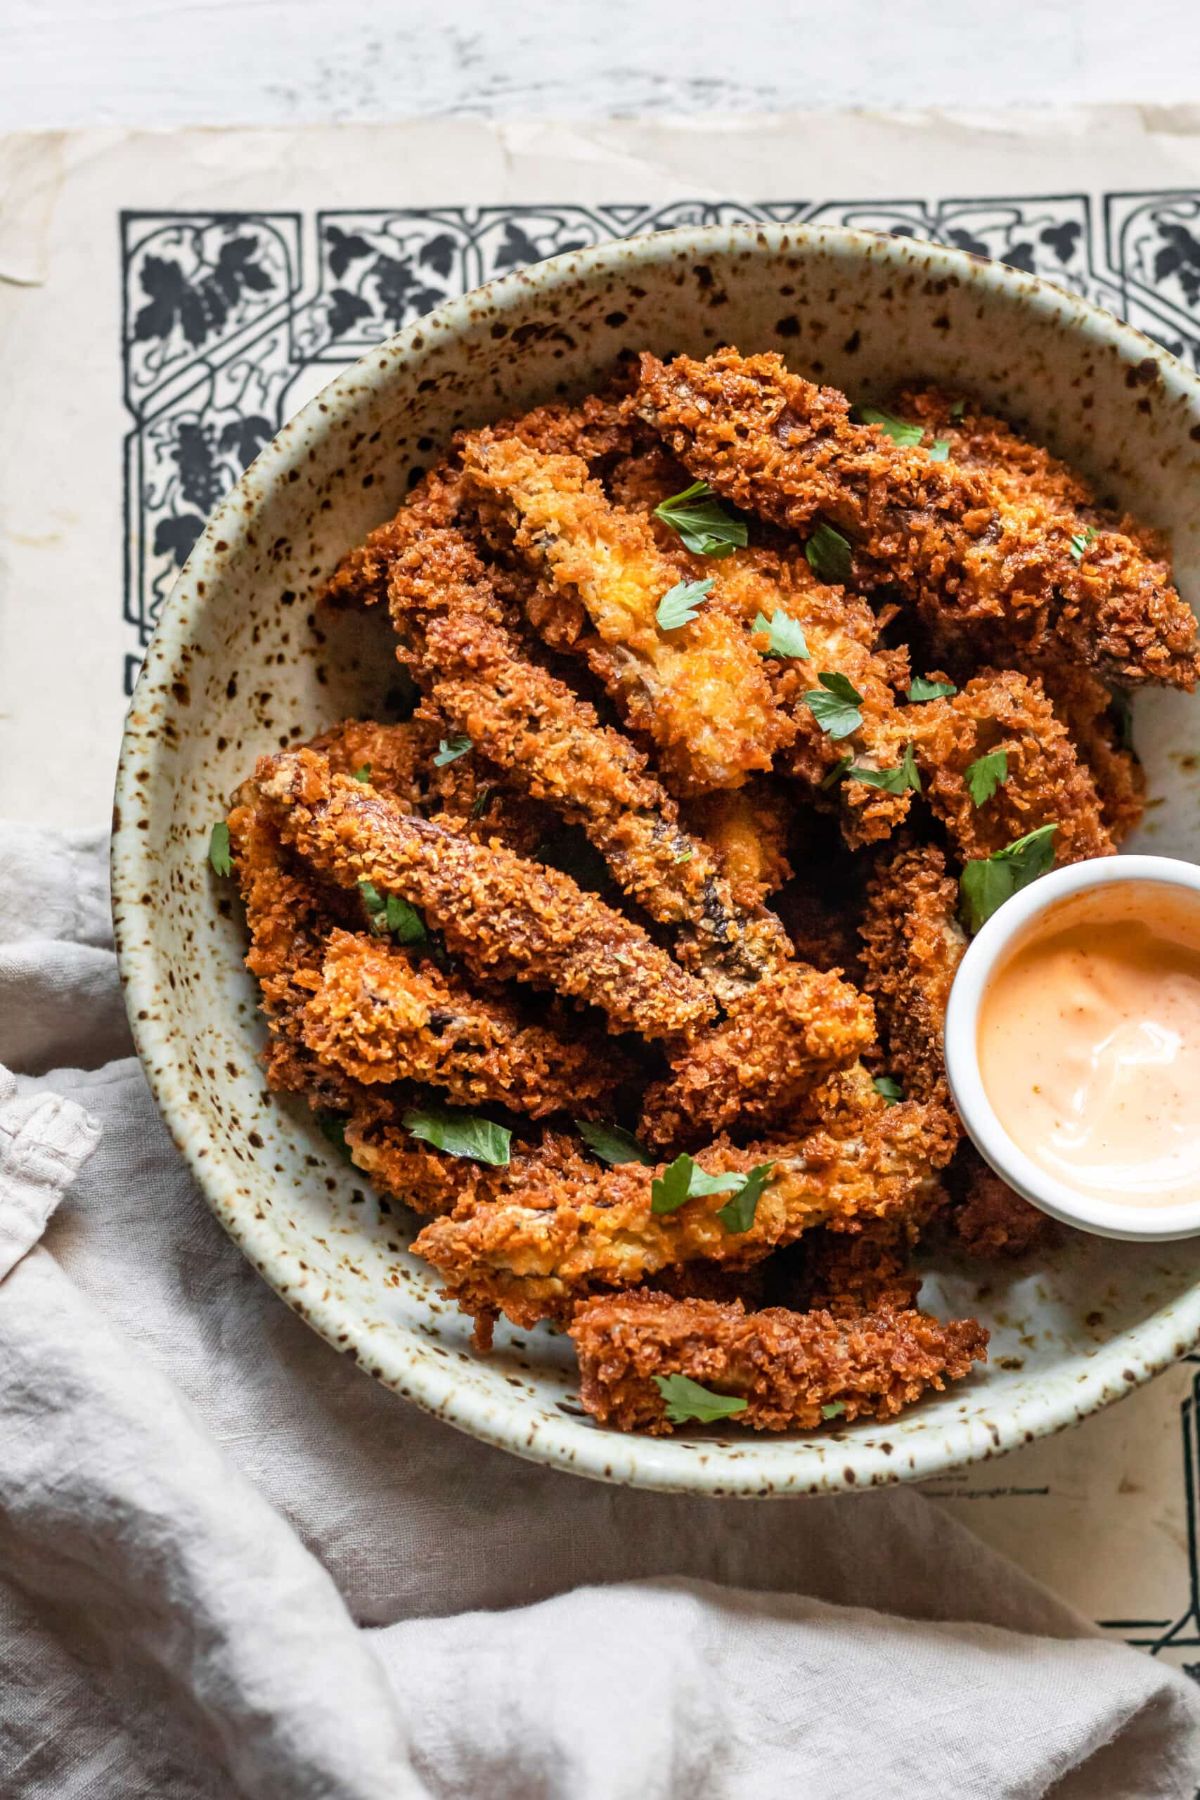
<point x="231" y="1564"/>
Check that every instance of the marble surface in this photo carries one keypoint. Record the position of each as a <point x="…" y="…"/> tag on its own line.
<point x="217" y="62"/>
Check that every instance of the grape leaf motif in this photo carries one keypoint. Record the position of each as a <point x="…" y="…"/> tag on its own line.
<point x="345" y="247"/>
<point x="194" y="454"/>
<point x="518" y="248"/>
<point x="402" y="293"/>
<point x="345" y="310"/>
<point x="1179" y="256"/>
<point x="244" y="438"/>
<point x="175" y="535"/>
<point x="198" y="304"/>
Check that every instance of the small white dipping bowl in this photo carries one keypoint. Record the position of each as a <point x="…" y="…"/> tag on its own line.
<point x="1000" y="935"/>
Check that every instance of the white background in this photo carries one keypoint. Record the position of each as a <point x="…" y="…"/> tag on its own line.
<point x="217" y="62"/>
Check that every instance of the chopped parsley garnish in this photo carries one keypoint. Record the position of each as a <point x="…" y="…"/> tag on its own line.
<point x="219" y="857"/>
<point x="685" y="1180"/>
<point x="829" y="556"/>
<point x="680" y="604"/>
<point x="892" y="781"/>
<point x="698" y="518"/>
<point x="363" y="774"/>
<point x="784" y="634"/>
<point x="834" y="705"/>
<point x="838" y="770"/>
<point x="376" y="907"/>
<point x="924" y="689"/>
<point x="738" y="1212"/>
<point x="939" y="450"/>
<point x="481" y="802"/>
<point x="685" y="1400"/>
<point x="986" y="774"/>
<point x="985" y="885"/>
<point x="899" y="430"/>
<point x="450" y="749"/>
<point x="459" y="1133"/>
<point x="889" y="1088"/>
<point x="1080" y="541"/>
<point x="611" y="1144"/>
<point x="958" y="409"/>
<point x="683" y="856"/>
<point x="833" y="1409"/>
<point x="403" y="921"/>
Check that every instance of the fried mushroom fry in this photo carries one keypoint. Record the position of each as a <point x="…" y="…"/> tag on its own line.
<point x="548" y="1246"/>
<point x="775" y="1042"/>
<point x="380" y="1017"/>
<point x="983" y="569"/>
<point x="696" y="691"/>
<point x="792" y="1370"/>
<point x="505" y="917"/>
<point x="912" y="946"/>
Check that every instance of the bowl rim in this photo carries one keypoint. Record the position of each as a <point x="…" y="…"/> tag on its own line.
<point x="827" y="1462"/>
<point x="1012" y="924"/>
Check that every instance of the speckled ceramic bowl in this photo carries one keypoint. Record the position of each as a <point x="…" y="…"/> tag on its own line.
<point x="239" y="665"/>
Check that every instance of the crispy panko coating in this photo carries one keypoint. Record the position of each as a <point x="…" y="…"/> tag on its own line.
<point x="698" y="692"/>
<point x="600" y="428"/>
<point x="570" y="1235"/>
<point x="912" y="946"/>
<point x="747" y="830"/>
<point x="849" y="1273"/>
<point x="987" y="1218"/>
<point x="506" y="918"/>
<point x="842" y="637"/>
<point x="1092" y="717"/>
<point x="428" y="1181"/>
<point x="1046" y="782"/>
<point x="775" y="1042"/>
<point x="361" y="578"/>
<point x="981" y="566"/>
<point x="393" y="757"/>
<point x="794" y="1370"/>
<point x="536" y="728"/>
<point x="380" y="1017"/>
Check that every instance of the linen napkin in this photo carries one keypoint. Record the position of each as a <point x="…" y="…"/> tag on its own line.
<point x="231" y="1564"/>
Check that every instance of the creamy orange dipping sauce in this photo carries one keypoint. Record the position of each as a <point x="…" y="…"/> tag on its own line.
<point x="1089" y="1043"/>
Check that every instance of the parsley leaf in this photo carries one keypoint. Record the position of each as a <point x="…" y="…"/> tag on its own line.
<point x="333" y="1126"/>
<point x="924" y="689"/>
<point x="450" y="749"/>
<point x="686" y="1400"/>
<point x="1080" y="542"/>
<point x="784" y="634"/>
<point x="403" y="921"/>
<point x="482" y="801"/>
<point x="363" y="774"/>
<point x="835" y="704"/>
<point x="833" y="1409"/>
<point x="899" y="430"/>
<point x="737" y="1214"/>
<point x="686" y="855"/>
<point x="699" y="519"/>
<point x="376" y="907"/>
<point x="610" y="1143"/>
<point x="680" y="604"/>
<point x="889" y="1088"/>
<point x="219" y="857"/>
<point x="838" y="770"/>
<point x="892" y="781"/>
<point x="985" y="885"/>
<point x="685" y="1180"/>
<point x="459" y="1133"/>
<point x="958" y="409"/>
<point x="829" y="556"/>
<point x="986" y="774"/>
<point x="939" y="450"/>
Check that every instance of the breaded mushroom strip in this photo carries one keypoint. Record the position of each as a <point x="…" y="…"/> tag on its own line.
<point x="560" y="1239"/>
<point x="542" y="735"/>
<point x="505" y="917"/>
<point x="912" y="946"/>
<point x="987" y="1217"/>
<point x="977" y="564"/>
<point x="379" y="1017"/>
<point x="697" y="691"/>
<point x="775" y="1042"/>
<point x="747" y="830"/>
<point x="361" y="577"/>
<point x="391" y="757"/>
<point x="1094" y="722"/>
<point x="794" y="1370"/>
<point x="1002" y="711"/>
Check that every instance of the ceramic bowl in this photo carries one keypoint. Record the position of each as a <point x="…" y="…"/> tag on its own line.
<point x="240" y="664"/>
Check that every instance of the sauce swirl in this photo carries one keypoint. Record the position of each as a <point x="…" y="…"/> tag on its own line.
<point x="1089" y="1043"/>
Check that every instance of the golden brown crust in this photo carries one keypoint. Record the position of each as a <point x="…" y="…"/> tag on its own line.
<point x="987" y="1218"/>
<point x="981" y="566"/>
<point x="381" y="1017"/>
<point x="747" y="830"/>
<point x="698" y="692"/>
<point x="534" y="1255"/>
<point x="912" y="946"/>
<point x="506" y="918"/>
<point x="794" y="1370"/>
